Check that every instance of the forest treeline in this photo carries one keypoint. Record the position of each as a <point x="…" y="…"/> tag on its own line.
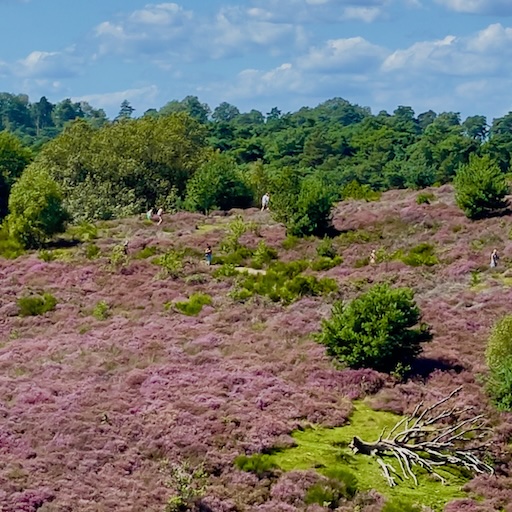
<point x="185" y="155"/>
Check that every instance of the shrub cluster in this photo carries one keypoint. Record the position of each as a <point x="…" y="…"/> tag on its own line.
<point x="283" y="282"/>
<point x="499" y="360"/>
<point x="260" y="464"/>
<point x="35" y="305"/>
<point x="380" y="329"/>
<point x="339" y="484"/>
<point x="194" y="304"/>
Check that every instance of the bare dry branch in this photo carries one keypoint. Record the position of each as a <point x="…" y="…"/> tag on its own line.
<point x="430" y="438"/>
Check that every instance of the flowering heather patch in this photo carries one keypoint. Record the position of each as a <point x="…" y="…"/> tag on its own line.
<point x="90" y="407"/>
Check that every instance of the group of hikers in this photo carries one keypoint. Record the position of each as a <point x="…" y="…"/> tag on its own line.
<point x="208" y="254"/>
<point x="265" y="202"/>
<point x="150" y="215"/>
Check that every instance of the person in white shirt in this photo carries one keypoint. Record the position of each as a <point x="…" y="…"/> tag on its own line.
<point x="265" y="201"/>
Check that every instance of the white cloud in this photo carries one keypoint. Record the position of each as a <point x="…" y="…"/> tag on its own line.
<point x="497" y="7"/>
<point x="49" y="65"/>
<point x="453" y="56"/>
<point x="168" y="30"/>
<point x="494" y="38"/>
<point x="110" y="101"/>
<point x="343" y="56"/>
<point x="367" y="14"/>
<point x="329" y="11"/>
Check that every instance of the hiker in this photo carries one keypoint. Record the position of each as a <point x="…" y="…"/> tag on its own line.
<point x="149" y="214"/>
<point x="208" y="254"/>
<point x="159" y="214"/>
<point x="494" y="259"/>
<point x="125" y="247"/>
<point x="373" y="257"/>
<point x="264" y="201"/>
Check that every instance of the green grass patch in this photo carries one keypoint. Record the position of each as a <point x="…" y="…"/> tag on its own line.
<point x="327" y="450"/>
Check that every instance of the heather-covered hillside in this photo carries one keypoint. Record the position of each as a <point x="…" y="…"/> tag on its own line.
<point x="102" y="396"/>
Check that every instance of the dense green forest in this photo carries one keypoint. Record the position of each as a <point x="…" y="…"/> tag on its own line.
<point x="186" y="155"/>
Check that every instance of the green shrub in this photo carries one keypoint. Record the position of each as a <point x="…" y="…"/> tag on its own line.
<point x="354" y="190"/>
<point x="422" y="254"/>
<point x="499" y="385"/>
<point x="46" y="256"/>
<point x="263" y="255"/>
<point x="194" y="304"/>
<point x="480" y="187"/>
<point x="188" y="485"/>
<point x="10" y="248"/>
<point x="145" y="252"/>
<point x="260" y="464"/>
<point x="326" y="248"/>
<point x="84" y="231"/>
<point x="378" y="330"/>
<point x="290" y="242"/>
<point x="499" y="344"/>
<point x="101" y="310"/>
<point x="218" y="183"/>
<point x="238" y="257"/>
<point x="498" y="356"/>
<point x="346" y="477"/>
<point x="339" y="484"/>
<point x="225" y="270"/>
<point x="425" y="198"/>
<point x="171" y="263"/>
<point x="36" y="208"/>
<point x="34" y="305"/>
<point x="357" y="236"/>
<point x="324" y="263"/>
<point x="117" y="256"/>
<point x="283" y="282"/>
<point x="236" y="229"/>
<point x="92" y="251"/>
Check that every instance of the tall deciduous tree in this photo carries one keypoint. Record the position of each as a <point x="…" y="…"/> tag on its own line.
<point x="218" y="184"/>
<point x="14" y="157"/>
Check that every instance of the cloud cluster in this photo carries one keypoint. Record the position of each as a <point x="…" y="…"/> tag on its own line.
<point x="496" y="7"/>
<point x="262" y="51"/>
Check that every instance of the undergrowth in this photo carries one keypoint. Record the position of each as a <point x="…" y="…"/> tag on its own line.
<point x="282" y="282"/>
<point x="34" y="305"/>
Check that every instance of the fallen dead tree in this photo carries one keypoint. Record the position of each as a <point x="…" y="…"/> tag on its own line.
<point x="431" y="437"/>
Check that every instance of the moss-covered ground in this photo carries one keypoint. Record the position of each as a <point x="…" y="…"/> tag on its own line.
<point x="327" y="448"/>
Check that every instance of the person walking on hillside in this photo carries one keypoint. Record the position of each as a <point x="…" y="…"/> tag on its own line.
<point x="149" y="214"/>
<point x="159" y="215"/>
<point x="494" y="259"/>
<point x="208" y="254"/>
<point x="265" y="200"/>
<point x="373" y="257"/>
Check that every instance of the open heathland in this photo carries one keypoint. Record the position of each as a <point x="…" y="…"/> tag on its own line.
<point x="126" y="370"/>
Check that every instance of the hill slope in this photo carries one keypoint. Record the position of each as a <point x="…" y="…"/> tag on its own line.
<point x="96" y="395"/>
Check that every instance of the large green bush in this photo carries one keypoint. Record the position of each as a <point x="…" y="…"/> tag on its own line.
<point x="480" y="187"/>
<point x="35" y="206"/>
<point x="498" y="355"/>
<point x="380" y="329"/>
<point x="218" y="184"/>
<point x="303" y="205"/>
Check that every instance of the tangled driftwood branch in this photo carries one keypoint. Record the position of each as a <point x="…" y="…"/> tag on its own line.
<point x="429" y="438"/>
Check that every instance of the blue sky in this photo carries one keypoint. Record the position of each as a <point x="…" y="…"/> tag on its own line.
<point x="444" y="55"/>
